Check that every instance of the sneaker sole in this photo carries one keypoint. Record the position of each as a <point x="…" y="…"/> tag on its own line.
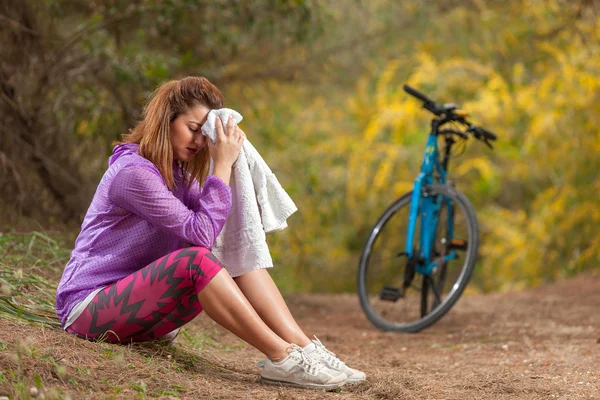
<point x="268" y="381"/>
<point x="355" y="381"/>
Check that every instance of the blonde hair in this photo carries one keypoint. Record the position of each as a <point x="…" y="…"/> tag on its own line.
<point x="152" y="133"/>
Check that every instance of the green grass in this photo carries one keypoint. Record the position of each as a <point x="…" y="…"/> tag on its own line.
<point x="30" y="266"/>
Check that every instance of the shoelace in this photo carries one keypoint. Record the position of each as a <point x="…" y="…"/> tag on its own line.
<point x="329" y="356"/>
<point x="308" y="364"/>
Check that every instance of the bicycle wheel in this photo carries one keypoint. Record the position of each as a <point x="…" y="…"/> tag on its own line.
<point x="394" y="295"/>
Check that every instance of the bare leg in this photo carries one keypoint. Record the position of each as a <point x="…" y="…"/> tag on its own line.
<point x="225" y="304"/>
<point x="263" y="294"/>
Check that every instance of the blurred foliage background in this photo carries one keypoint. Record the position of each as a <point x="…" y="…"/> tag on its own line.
<point x="319" y="85"/>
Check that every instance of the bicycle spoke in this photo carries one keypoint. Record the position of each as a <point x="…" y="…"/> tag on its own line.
<point x="442" y="279"/>
<point x="436" y="293"/>
<point x="424" y="295"/>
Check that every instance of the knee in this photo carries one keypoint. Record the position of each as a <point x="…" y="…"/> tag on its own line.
<point x="205" y="260"/>
<point x="204" y="266"/>
<point x="199" y="249"/>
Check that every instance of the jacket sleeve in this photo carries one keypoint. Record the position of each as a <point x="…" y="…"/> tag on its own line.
<point x="142" y="191"/>
<point x="193" y="196"/>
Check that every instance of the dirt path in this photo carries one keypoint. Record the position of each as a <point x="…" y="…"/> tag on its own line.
<point x="539" y="344"/>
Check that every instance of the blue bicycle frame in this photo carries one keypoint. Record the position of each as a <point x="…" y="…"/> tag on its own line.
<point x="428" y="208"/>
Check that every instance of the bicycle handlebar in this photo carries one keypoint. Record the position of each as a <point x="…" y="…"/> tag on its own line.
<point x="488" y="134"/>
<point x="428" y="104"/>
<point x="448" y="110"/>
<point x="482" y="134"/>
<point x="414" y="92"/>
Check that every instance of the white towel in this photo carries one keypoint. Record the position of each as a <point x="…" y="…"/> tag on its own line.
<point x="259" y="205"/>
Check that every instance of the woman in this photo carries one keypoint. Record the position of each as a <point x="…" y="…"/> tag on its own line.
<point x="142" y="265"/>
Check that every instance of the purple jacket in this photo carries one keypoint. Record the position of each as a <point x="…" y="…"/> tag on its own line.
<point x="135" y="219"/>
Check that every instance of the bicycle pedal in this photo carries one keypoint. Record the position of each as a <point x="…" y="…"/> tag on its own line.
<point x="390" y="293"/>
<point x="458" y="244"/>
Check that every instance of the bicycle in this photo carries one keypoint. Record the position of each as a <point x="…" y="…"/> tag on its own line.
<point x="404" y="264"/>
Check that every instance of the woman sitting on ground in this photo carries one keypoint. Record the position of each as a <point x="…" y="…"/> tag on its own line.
<point x="142" y="265"/>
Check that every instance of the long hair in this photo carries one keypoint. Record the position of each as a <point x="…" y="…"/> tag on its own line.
<point x="152" y="133"/>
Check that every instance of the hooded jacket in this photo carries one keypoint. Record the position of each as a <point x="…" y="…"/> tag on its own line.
<point x="135" y="219"/>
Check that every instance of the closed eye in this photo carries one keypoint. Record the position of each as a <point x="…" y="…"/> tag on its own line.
<point x="195" y="123"/>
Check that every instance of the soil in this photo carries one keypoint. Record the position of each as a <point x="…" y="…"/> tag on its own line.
<point x="535" y="344"/>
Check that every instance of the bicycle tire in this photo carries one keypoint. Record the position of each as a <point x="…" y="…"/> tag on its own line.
<point x="472" y="228"/>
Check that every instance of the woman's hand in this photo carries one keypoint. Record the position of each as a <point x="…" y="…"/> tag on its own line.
<point x="227" y="149"/>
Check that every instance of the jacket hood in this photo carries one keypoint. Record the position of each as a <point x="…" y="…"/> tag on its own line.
<point x="121" y="150"/>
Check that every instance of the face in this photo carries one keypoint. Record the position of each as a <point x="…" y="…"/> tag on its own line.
<point x="186" y="136"/>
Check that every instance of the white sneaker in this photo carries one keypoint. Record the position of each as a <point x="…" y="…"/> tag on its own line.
<point x="331" y="361"/>
<point x="170" y="338"/>
<point x="298" y="369"/>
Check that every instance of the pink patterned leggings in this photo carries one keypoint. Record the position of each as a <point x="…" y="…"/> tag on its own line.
<point x="151" y="302"/>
